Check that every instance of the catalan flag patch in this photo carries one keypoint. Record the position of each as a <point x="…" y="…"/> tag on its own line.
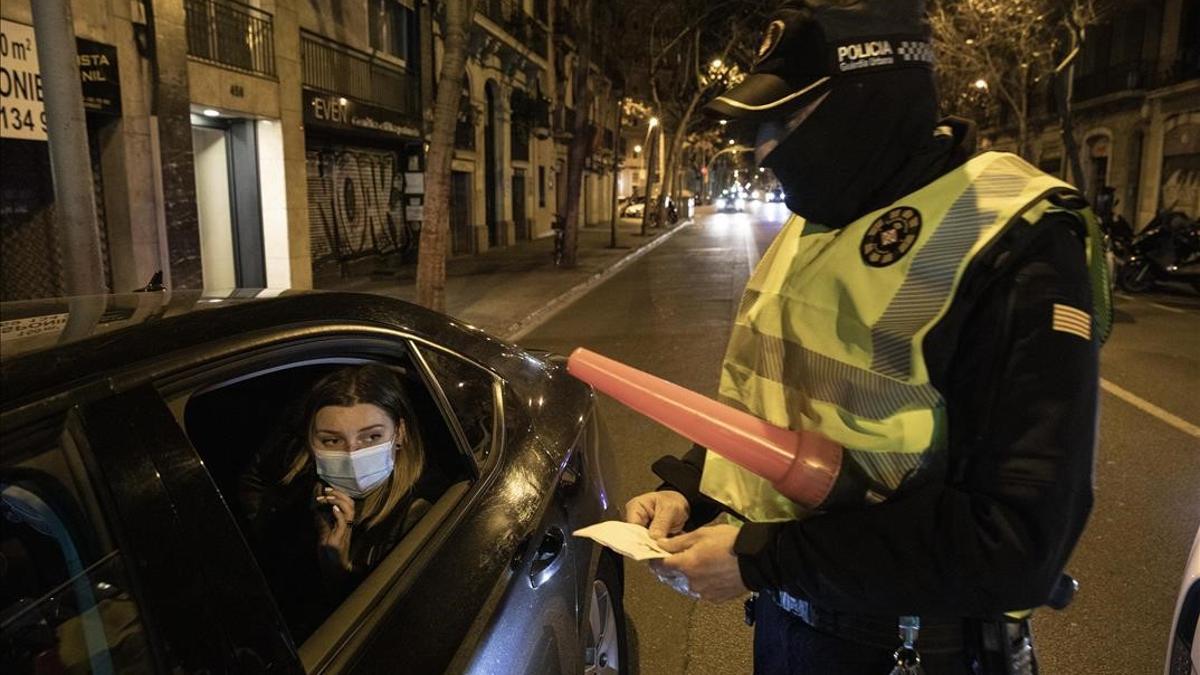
<point x="1074" y="321"/>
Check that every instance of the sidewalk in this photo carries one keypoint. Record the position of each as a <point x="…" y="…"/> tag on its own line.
<point x="504" y="289"/>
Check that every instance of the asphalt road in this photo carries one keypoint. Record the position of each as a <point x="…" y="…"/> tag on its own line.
<point x="670" y="312"/>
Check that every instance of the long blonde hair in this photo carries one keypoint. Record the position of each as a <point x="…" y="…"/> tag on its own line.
<point x="378" y="386"/>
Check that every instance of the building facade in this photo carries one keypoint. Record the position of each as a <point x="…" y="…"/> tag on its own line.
<point x="1136" y="110"/>
<point x="271" y="143"/>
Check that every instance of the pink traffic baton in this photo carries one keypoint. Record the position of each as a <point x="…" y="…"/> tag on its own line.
<point x="802" y="465"/>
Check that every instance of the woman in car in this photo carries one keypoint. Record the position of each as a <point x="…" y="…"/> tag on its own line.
<point x="330" y="498"/>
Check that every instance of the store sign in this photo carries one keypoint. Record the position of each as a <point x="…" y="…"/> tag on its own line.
<point x="22" y="114"/>
<point x="338" y="112"/>
<point x="99" y="76"/>
<point x="22" y="110"/>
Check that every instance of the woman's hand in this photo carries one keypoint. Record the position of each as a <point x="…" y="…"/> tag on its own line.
<point x="335" y="522"/>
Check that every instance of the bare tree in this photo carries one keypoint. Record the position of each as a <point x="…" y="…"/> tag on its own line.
<point x="683" y="74"/>
<point x="1009" y="50"/>
<point x="431" y="261"/>
<point x="581" y="133"/>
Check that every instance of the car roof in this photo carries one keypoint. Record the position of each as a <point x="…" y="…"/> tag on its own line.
<point x="52" y="344"/>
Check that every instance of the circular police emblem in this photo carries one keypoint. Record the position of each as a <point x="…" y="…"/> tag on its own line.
<point x="771" y="38"/>
<point x="891" y="236"/>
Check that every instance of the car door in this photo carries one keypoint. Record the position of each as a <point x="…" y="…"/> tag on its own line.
<point x="530" y="623"/>
<point x="202" y="574"/>
<point x="87" y="505"/>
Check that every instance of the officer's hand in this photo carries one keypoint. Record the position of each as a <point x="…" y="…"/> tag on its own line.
<point x="664" y="512"/>
<point x="705" y="556"/>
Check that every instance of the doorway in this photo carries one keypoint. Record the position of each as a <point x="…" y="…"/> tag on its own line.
<point x="518" y="204"/>
<point x="489" y="168"/>
<point x="228" y="203"/>
<point x="462" y="239"/>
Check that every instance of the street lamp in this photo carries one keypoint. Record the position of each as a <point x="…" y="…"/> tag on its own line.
<point x="731" y="141"/>
<point x="716" y="63"/>
<point x="981" y="84"/>
<point x="653" y="122"/>
<point x="637" y="149"/>
<point x="724" y="122"/>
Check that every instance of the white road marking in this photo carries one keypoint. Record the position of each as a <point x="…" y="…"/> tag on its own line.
<point x="1148" y="407"/>
<point x="1167" y="307"/>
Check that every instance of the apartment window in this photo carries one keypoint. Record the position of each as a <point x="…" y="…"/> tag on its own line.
<point x="389" y="27"/>
<point x="542" y="187"/>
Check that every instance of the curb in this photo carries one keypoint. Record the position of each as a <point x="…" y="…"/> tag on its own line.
<point x="543" y="314"/>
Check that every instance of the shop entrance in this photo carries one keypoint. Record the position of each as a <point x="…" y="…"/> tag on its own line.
<point x="228" y="203"/>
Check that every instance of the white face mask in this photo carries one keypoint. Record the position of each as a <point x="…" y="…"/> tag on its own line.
<point x="356" y="473"/>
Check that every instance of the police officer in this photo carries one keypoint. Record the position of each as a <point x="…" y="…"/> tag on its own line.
<point x="935" y="311"/>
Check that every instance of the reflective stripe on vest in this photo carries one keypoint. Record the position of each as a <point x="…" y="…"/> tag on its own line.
<point x="829" y="332"/>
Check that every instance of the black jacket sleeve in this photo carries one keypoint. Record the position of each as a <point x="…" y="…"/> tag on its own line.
<point x="992" y="529"/>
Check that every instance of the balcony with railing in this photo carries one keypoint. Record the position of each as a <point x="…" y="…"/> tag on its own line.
<point x="1135" y="76"/>
<point x="510" y="16"/>
<point x="232" y="35"/>
<point x="340" y="69"/>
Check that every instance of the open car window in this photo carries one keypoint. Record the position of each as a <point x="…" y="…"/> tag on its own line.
<point x="250" y="431"/>
<point x="65" y="599"/>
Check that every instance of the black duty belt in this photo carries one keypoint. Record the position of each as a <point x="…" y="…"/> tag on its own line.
<point x="936" y="635"/>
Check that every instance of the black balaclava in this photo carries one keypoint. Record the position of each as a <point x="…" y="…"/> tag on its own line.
<point x="837" y="163"/>
<point x="845" y="90"/>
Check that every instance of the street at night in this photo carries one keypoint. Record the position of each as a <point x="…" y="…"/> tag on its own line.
<point x="600" y="337"/>
<point x="670" y="312"/>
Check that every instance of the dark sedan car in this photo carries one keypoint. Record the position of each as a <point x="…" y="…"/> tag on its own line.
<point x="127" y="422"/>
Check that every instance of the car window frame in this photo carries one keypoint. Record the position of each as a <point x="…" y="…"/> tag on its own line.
<point x="334" y="649"/>
<point x="498" y="427"/>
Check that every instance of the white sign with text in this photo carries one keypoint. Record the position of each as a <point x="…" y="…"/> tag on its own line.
<point x="22" y="113"/>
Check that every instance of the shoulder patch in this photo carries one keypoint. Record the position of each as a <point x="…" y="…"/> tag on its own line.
<point x="891" y="236"/>
<point x="1067" y="319"/>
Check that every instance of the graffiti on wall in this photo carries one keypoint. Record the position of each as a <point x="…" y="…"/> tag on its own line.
<point x="355" y="204"/>
<point x="1180" y="189"/>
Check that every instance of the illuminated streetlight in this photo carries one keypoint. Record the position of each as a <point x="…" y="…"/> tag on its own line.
<point x="724" y="122"/>
<point x="981" y="84"/>
<point x="653" y="122"/>
<point x="716" y="63"/>
<point x="731" y="141"/>
<point x="637" y="149"/>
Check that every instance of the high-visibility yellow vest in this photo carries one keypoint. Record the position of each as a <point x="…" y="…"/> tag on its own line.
<point x="829" y="333"/>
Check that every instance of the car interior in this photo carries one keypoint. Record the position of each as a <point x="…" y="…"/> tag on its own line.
<point x="228" y="423"/>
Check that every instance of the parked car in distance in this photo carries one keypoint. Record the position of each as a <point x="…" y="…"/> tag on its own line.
<point x="633" y="207"/>
<point x="1183" y="649"/>
<point x="128" y="425"/>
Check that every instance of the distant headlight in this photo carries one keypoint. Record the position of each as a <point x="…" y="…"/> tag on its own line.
<point x="721" y="202"/>
<point x="739" y="203"/>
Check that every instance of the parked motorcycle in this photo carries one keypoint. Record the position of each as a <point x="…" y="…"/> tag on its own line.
<point x="1167" y="249"/>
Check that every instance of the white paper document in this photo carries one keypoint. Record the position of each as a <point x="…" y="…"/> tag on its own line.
<point x="631" y="541"/>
